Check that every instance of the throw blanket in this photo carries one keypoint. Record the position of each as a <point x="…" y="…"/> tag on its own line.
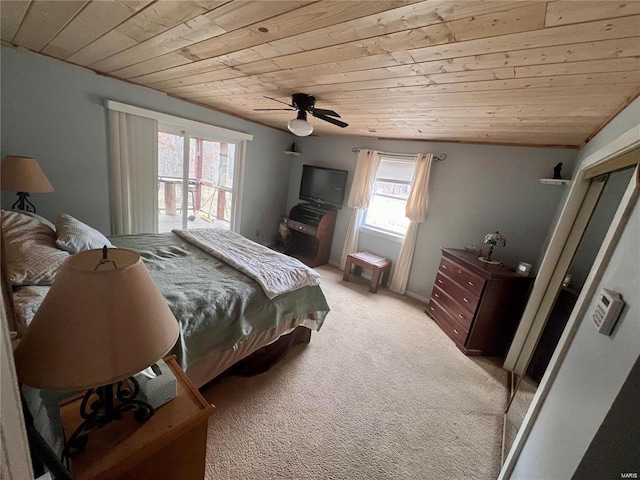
<point x="274" y="272"/>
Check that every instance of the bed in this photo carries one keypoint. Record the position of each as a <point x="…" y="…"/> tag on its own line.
<point x="224" y="315"/>
<point x="227" y="321"/>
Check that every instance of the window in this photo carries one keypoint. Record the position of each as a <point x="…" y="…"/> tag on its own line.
<point x="386" y="210"/>
<point x="191" y="178"/>
<point x="210" y="181"/>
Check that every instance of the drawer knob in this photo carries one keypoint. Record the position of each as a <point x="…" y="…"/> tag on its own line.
<point x="300" y="228"/>
<point x="436" y="295"/>
<point x="456" y="331"/>
<point x="470" y="283"/>
<point x="445" y="267"/>
<point x="465" y="299"/>
<point x="461" y="316"/>
<point x="432" y="309"/>
<point x="439" y="281"/>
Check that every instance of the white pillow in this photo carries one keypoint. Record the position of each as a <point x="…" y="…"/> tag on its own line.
<point x="26" y="301"/>
<point x="30" y="247"/>
<point x="75" y="236"/>
<point x="40" y="219"/>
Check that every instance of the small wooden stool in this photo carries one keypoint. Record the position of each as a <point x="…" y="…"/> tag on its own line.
<point x="378" y="265"/>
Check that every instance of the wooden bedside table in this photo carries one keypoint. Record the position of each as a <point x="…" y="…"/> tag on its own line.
<point x="172" y="444"/>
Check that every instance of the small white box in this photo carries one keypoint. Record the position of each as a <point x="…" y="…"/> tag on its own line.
<point x="160" y="389"/>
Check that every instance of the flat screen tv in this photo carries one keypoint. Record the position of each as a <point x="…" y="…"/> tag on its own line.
<point x="323" y="186"/>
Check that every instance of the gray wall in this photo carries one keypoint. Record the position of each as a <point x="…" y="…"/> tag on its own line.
<point x="476" y="190"/>
<point x="55" y="113"/>
<point x="595" y="367"/>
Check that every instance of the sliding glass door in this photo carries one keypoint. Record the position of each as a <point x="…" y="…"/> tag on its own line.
<point x="196" y="184"/>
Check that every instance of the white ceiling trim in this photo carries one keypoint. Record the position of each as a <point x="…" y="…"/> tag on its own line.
<point x="188" y="125"/>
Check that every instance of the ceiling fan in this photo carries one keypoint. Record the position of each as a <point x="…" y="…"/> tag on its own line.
<point x="304" y="104"/>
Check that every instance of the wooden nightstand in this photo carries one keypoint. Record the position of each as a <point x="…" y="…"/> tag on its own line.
<point x="171" y="444"/>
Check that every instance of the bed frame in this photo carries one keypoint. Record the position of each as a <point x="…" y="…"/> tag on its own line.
<point x="264" y="358"/>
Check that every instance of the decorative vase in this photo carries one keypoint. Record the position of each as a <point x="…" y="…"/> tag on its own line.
<point x="284" y="234"/>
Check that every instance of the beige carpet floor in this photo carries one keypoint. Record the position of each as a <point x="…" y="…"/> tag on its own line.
<point x="380" y="392"/>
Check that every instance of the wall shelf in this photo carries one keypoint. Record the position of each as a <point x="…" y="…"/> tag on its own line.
<point x="291" y="152"/>
<point x="554" y="181"/>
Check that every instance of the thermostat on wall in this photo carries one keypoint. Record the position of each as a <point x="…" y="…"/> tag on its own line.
<point x="607" y="310"/>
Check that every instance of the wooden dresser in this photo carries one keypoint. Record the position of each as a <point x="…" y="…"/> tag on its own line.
<point x="478" y="305"/>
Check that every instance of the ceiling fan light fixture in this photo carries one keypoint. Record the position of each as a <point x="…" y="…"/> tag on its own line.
<point x="304" y="104"/>
<point x="300" y="127"/>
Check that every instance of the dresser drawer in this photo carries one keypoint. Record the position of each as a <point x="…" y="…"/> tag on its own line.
<point x="461" y="276"/>
<point x="453" y="308"/>
<point x="464" y="297"/>
<point x="301" y="227"/>
<point x="452" y="328"/>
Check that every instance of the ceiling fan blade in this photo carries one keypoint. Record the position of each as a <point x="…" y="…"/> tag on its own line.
<point x="279" y="101"/>
<point x="272" y="109"/>
<point x="330" y="120"/>
<point x="322" y="111"/>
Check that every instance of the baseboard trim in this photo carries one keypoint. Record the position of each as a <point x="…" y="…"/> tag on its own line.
<point x="417" y="297"/>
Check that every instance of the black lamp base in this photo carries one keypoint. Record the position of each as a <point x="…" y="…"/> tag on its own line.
<point x="23" y="204"/>
<point x="488" y="260"/>
<point x="101" y="406"/>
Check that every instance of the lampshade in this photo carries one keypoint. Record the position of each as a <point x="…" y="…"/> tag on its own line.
<point x="101" y="321"/>
<point x="496" y="239"/>
<point x="23" y="174"/>
<point x="300" y="127"/>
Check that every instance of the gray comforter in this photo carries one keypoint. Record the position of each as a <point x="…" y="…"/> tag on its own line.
<point x="216" y="305"/>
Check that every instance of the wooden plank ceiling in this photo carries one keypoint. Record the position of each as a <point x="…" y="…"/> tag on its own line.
<point x="513" y="72"/>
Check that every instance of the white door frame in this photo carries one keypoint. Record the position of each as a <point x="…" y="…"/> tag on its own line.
<point x="238" y="185"/>
<point x="15" y="460"/>
<point x="557" y="257"/>
<point x="543" y="309"/>
<point x="623" y="144"/>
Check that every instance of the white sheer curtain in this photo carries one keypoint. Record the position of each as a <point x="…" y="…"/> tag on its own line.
<point x="134" y="173"/>
<point x="361" y="189"/>
<point x="416" y="211"/>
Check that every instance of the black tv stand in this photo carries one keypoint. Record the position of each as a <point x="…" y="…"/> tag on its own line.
<point x="311" y="233"/>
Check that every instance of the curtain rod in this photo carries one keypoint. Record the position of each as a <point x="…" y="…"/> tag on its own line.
<point x="441" y="158"/>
